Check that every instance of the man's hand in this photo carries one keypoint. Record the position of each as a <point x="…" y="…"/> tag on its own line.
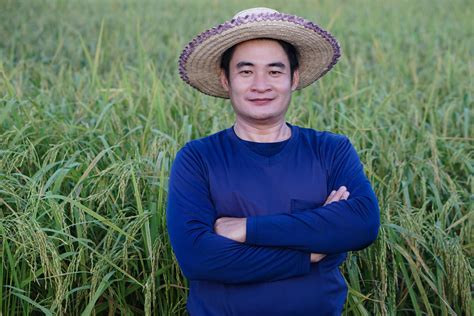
<point x="232" y="227"/>
<point x="339" y="195"/>
<point x="316" y="257"/>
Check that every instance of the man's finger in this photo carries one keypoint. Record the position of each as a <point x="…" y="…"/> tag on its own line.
<point x="345" y="195"/>
<point x="329" y="199"/>
<point x="339" y="193"/>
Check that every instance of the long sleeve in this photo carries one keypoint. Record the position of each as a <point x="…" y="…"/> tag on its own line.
<point x="338" y="227"/>
<point x="204" y="255"/>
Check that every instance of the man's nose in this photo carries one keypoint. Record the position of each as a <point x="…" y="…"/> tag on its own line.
<point x="260" y="82"/>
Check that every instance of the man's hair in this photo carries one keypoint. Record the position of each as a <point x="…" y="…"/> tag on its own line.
<point x="289" y="49"/>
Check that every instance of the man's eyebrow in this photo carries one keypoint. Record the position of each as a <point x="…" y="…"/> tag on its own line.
<point x="244" y="64"/>
<point x="277" y="64"/>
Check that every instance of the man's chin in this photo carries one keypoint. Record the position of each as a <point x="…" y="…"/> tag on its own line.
<point x="263" y="118"/>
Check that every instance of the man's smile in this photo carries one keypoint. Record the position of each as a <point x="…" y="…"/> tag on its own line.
<point x="261" y="101"/>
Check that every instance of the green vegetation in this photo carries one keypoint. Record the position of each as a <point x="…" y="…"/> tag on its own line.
<point x="92" y="112"/>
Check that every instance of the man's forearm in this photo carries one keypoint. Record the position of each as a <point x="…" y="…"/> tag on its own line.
<point x="236" y="228"/>
<point x="335" y="228"/>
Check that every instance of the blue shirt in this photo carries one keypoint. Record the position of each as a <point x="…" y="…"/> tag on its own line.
<point x="282" y="195"/>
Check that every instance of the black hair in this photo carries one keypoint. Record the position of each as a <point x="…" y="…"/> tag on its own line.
<point x="289" y="49"/>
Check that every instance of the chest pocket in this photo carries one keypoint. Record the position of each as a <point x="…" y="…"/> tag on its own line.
<point x="301" y="205"/>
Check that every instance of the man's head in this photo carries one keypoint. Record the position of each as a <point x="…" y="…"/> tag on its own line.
<point x="316" y="49"/>
<point x="259" y="78"/>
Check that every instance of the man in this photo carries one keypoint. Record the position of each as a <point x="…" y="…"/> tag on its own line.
<point x="261" y="215"/>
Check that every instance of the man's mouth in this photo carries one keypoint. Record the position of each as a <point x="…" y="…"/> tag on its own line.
<point x="261" y="101"/>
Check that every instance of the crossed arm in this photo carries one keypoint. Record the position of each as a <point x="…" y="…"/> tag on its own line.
<point x="276" y="246"/>
<point x="236" y="228"/>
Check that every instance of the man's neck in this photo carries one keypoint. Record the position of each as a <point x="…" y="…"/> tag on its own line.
<point x="271" y="133"/>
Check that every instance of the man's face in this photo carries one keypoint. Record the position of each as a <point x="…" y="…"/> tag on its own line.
<point x="260" y="84"/>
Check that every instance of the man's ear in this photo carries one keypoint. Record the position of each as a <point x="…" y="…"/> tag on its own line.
<point x="296" y="80"/>
<point x="224" y="81"/>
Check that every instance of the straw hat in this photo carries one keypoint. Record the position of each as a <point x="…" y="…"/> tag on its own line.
<point x="199" y="63"/>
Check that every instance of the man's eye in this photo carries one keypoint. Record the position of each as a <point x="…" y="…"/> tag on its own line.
<point x="275" y="72"/>
<point x="245" y="72"/>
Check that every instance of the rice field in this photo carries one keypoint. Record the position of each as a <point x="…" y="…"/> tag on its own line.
<point x="92" y="113"/>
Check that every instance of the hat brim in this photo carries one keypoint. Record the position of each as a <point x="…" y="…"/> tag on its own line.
<point x="199" y="63"/>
